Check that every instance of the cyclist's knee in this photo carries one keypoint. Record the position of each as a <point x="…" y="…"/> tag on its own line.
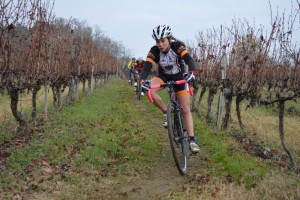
<point x="186" y="109"/>
<point x="154" y="92"/>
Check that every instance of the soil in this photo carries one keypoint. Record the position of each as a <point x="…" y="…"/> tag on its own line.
<point x="164" y="179"/>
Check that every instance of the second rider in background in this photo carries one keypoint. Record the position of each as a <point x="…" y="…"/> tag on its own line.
<point x="169" y="53"/>
<point x="137" y="70"/>
<point x="131" y="66"/>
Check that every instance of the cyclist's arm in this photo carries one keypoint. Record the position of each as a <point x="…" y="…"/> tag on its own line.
<point x="184" y="54"/>
<point x="135" y="66"/>
<point x="146" y="70"/>
<point x="189" y="61"/>
<point x="130" y="64"/>
<point x="150" y="59"/>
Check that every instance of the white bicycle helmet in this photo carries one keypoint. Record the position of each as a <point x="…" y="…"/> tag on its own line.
<point x="161" y="31"/>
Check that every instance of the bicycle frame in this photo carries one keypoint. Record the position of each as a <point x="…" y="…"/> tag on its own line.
<point x="173" y="99"/>
<point x="177" y="134"/>
<point x="138" y="87"/>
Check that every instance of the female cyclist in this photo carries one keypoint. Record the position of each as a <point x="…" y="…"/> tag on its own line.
<point x="169" y="53"/>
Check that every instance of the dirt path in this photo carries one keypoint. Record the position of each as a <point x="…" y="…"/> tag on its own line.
<point x="164" y="178"/>
<point x="160" y="183"/>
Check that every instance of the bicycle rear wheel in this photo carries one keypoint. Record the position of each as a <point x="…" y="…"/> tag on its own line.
<point x="130" y="81"/>
<point x="178" y="139"/>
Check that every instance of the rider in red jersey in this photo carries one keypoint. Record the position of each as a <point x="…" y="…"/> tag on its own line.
<point x="139" y="64"/>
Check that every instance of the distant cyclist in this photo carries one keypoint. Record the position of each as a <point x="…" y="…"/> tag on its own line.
<point x="139" y="64"/>
<point x="137" y="70"/>
<point x="169" y="53"/>
<point x="131" y="66"/>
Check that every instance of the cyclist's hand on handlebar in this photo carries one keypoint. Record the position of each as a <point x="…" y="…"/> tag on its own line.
<point x="189" y="77"/>
<point x="145" y="85"/>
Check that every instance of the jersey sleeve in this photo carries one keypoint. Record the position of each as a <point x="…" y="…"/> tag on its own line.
<point x="189" y="61"/>
<point x="130" y="64"/>
<point x="180" y="48"/>
<point x="184" y="54"/>
<point x="152" y="57"/>
<point x="146" y="70"/>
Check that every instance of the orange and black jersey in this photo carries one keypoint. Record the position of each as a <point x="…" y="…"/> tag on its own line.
<point x="169" y="63"/>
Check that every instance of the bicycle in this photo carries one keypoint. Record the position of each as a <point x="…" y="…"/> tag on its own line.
<point x="131" y="79"/>
<point x="138" y="89"/>
<point x="177" y="133"/>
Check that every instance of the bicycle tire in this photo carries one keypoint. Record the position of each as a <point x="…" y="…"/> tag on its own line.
<point x="130" y="82"/>
<point x="139" y="91"/>
<point x="137" y="87"/>
<point x="178" y="139"/>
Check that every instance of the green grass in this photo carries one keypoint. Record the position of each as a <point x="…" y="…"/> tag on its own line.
<point x="106" y="134"/>
<point x="227" y="161"/>
<point x="228" y="157"/>
<point x="103" y="130"/>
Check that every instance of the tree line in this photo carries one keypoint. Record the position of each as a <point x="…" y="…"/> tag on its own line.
<point x="38" y="50"/>
<point x="247" y="63"/>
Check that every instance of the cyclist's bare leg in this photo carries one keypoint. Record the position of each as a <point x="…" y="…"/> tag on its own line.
<point x="156" y="98"/>
<point x="184" y="100"/>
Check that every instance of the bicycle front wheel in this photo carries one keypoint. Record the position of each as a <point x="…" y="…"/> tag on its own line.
<point x="178" y="139"/>
<point x="139" y="94"/>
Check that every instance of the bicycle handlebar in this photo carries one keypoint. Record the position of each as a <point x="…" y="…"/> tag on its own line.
<point x="167" y="84"/>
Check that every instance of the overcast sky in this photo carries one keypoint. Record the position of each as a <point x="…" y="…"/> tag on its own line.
<point x="130" y="22"/>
